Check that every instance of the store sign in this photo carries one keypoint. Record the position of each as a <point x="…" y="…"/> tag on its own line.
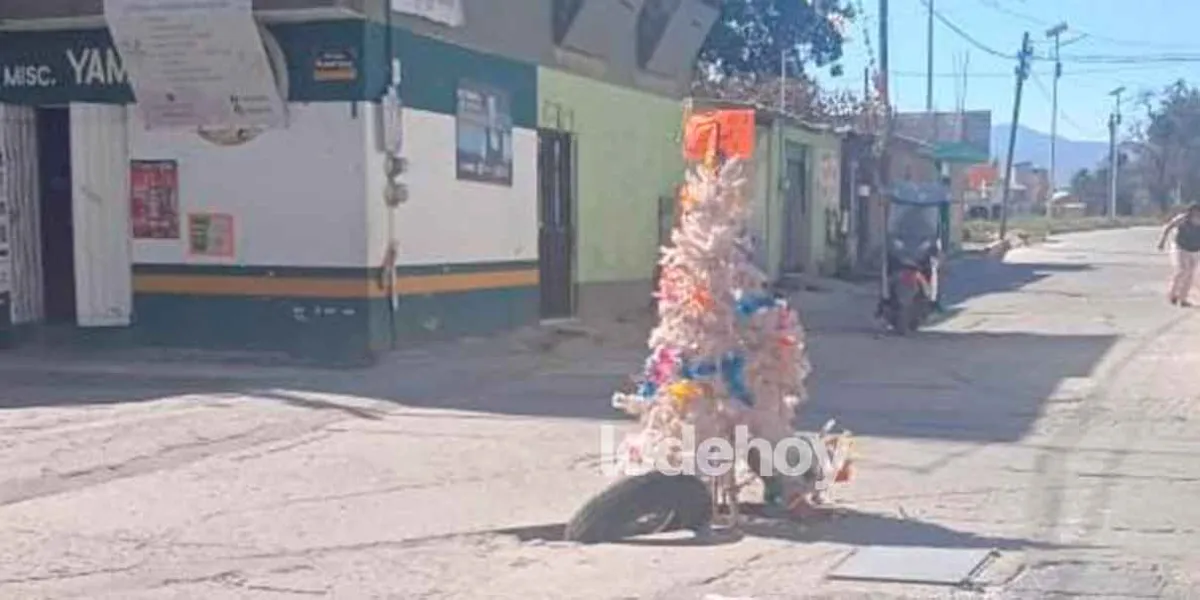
<point x="196" y="63"/>
<point x="57" y="67"/>
<point x="446" y="12"/>
<point x="335" y="65"/>
<point x="52" y="67"/>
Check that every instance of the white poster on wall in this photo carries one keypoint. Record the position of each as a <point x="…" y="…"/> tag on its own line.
<point x="446" y="12"/>
<point x="196" y="63"/>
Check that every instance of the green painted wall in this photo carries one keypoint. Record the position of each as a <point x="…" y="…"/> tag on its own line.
<point x="823" y="198"/>
<point x="627" y="156"/>
<point x="764" y="220"/>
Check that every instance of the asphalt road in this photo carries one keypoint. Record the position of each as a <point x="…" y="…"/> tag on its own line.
<point x="1048" y="416"/>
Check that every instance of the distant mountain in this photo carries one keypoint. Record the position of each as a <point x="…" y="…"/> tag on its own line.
<point x="1034" y="146"/>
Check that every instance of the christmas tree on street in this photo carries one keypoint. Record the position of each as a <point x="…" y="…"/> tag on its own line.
<point x="726" y="350"/>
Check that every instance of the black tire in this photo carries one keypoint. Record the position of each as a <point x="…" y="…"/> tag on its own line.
<point x="642" y="505"/>
<point x="905" y="315"/>
<point x="901" y="317"/>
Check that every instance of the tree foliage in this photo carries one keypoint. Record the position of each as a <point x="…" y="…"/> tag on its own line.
<point x="802" y="98"/>
<point x="750" y="35"/>
<point x="1164" y="156"/>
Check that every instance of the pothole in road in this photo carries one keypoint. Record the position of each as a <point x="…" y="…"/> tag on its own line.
<point x="1090" y="579"/>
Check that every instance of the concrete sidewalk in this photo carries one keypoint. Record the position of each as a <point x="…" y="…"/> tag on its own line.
<point x="822" y="301"/>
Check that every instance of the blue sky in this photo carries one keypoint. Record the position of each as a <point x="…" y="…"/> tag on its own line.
<point x="1108" y="27"/>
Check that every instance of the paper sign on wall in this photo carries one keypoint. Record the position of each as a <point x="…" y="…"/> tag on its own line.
<point x="210" y="234"/>
<point x="195" y="63"/>
<point x="154" y="199"/>
<point x="446" y="12"/>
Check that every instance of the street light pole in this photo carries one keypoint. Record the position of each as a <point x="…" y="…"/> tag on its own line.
<point x="1114" y="123"/>
<point x="929" y="59"/>
<point x="1056" y="33"/>
<point x="1114" y="120"/>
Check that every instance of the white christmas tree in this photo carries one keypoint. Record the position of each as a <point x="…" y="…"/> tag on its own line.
<point x="725" y="351"/>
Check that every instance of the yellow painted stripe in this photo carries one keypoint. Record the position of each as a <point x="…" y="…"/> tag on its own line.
<point x="327" y="287"/>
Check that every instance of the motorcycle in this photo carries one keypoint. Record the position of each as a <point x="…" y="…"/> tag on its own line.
<point x="913" y="244"/>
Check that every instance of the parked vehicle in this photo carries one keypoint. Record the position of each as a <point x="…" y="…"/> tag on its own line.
<point x="913" y="247"/>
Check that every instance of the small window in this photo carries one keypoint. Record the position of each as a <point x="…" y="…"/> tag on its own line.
<point x="562" y="16"/>
<point x="651" y="25"/>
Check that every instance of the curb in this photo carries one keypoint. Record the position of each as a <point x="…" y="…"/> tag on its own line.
<point x="148" y="372"/>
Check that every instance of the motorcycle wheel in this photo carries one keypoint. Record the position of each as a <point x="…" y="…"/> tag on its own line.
<point x="906" y="309"/>
<point x="642" y="505"/>
<point x="902" y="320"/>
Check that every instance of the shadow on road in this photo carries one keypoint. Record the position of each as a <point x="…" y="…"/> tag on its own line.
<point x="978" y="276"/>
<point x="978" y="387"/>
<point x="933" y="385"/>
<point x="970" y="387"/>
<point x="848" y="527"/>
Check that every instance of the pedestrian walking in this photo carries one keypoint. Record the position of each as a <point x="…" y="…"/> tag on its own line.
<point x="1185" y="252"/>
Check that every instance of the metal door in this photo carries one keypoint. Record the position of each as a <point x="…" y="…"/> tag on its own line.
<point x="556" y="231"/>
<point x="19" y="199"/>
<point x="796" y="235"/>
<point x="100" y="202"/>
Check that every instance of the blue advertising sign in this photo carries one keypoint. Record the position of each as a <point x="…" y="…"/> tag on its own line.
<point x="61" y="66"/>
<point x="56" y="67"/>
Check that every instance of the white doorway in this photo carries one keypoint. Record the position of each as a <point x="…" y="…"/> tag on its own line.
<point x="103" y="254"/>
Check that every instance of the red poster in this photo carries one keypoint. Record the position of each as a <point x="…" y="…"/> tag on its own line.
<point x="154" y="199"/>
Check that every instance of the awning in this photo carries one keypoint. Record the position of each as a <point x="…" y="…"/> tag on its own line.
<point x="907" y="192"/>
<point x="959" y="152"/>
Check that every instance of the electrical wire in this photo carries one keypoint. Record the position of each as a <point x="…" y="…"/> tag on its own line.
<point x="1076" y="58"/>
<point x="1067" y="73"/>
<point x="866" y="32"/>
<point x="1048" y="95"/>
<point x="996" y="6"/>
<point x="966" y="36"/>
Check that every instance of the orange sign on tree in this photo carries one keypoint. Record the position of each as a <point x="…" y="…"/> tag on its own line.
<point x="729" y="133"/>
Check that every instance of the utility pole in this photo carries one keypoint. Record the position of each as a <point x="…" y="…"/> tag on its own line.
<point x="1056" y="33"/>
<point x="882" y="165"/>
<point x="1114" y="121"/>
<point x="883" y="53"/>
<point x="929" y="58"/>
<point x="1022" y="73"/>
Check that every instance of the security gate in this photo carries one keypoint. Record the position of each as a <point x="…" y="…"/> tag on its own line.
<point x="556" y="234"/>
<point x="20" y="225"/>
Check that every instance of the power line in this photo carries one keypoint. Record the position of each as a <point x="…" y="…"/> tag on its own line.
<point x="996" y="6"/>
<point x="1078" y="58"/>
<point x="1071" y="73"/>
<point x="966" y="36"/>
<point x="1100" y="59"/>
<point x="866" y="31"/>
<point x="1062" y="114"/>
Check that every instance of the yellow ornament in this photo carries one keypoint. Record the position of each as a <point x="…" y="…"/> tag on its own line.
<point x="684" y="393"/>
